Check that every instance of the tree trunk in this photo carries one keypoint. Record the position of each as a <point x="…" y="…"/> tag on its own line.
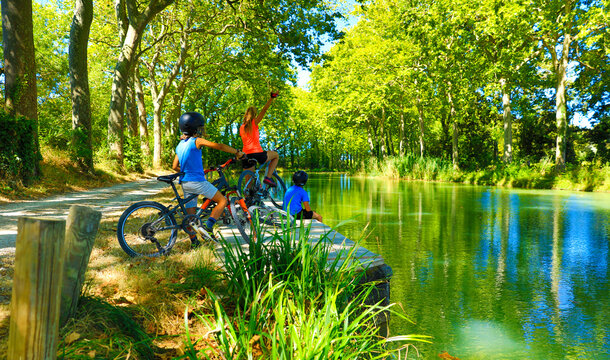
<point x="454" y="135"/>
<point x="159" y="98"/>
<point x="20" y="93"/>
<point x="401" y="144"/>
<point x="19" y="61"/>
<point x="133" y="119"/>
<point x="507" y="121"/>
<point x="141" y="114"/>
<point x="382" y="142"/>
<point x="79" y="84"/>
<point x="369" y="138"/>
<point x="420" y="112"/>
<point x="561" y="108"/>
<point x="123" y="70"/>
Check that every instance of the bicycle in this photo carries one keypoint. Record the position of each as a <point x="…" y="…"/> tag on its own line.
<point x="147" y="223"/>
<point x="255" y="191"/>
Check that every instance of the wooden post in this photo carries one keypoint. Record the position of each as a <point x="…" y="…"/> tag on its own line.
<point x="35" y="300"/>
<point x="81" y="229"/>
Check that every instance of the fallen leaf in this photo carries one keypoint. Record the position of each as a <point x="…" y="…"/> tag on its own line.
<point x="72" y="337"/>
<point x="91" y="354"/>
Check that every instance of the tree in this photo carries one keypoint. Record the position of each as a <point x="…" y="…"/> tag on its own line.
<point x="560" y="25"/>
<point x="79" y="84"/>
<point x="137" y="20"/>
<point x="20" y="64"/>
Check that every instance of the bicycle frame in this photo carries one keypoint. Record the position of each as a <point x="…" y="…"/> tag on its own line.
<point x="223" y="186"/>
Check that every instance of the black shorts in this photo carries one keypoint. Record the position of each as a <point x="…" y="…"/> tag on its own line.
<point x="304" y="215"/>
<point x="260" y="157"/>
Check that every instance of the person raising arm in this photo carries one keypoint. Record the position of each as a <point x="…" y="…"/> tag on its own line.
<point x="251" y="139"/>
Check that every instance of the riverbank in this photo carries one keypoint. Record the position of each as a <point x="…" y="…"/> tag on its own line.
<point x="543" y="175"/>
<point x="176" y="306"/>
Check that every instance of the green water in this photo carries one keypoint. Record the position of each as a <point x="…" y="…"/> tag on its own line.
<point x="489" y="273"/>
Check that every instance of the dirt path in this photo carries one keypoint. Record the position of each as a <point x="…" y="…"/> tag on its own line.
<point x="110" y="201"/>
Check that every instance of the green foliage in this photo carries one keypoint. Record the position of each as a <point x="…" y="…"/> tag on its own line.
<point x="121" y="335"/>
<point x="589" y="176"/>
<point x="133" y="158"/>
<point x="18" y="151"/>
<point x="294" y="302"/>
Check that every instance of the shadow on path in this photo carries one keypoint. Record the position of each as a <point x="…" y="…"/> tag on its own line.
<point x="110" y="201"/>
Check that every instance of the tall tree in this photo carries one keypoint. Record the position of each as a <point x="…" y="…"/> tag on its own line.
<point x="79" y="84"/>
<point x="560" y="25"/>
<point x="137" y="22"/>
<point x="19" y="62"/>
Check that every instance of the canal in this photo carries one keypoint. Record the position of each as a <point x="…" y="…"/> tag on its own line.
<point x="489" y="273"/>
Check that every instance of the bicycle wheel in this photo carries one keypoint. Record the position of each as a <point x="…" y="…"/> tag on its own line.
<point x="276" y="194"/>
<point x="249" y="187"/>
<point x="270" y="215"/>
<point x="147" y="228"/>
<point x="242" y="219"/>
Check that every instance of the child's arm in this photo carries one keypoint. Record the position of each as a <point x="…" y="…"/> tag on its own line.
<point x="200" y="142"/>
<point x="261" y="114"/>
<point x="176" y="164"/>
<point x="306" y="205"/>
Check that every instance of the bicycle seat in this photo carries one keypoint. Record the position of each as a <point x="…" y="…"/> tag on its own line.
<point x="248" y="163"/>
<point x="169" y="178"/>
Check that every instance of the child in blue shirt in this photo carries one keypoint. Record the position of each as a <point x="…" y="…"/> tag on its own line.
<point x="296" y="199"/>
<point x="188" y="160"/>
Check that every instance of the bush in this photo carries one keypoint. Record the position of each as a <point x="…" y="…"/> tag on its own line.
<point x="19" y="156"/>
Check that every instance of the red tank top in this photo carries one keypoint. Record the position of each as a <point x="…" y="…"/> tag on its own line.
<point x="251" y="140"/>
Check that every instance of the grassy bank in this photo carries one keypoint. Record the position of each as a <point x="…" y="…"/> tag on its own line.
<point x="543" y="175"/>
<point x="274" y="301"/>
<point x="60" y="175"/>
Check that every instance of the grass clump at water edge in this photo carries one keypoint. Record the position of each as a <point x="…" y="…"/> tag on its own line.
<point x="291" y="300"/>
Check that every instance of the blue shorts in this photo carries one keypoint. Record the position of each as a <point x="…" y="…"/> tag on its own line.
<point x="199" y="188"/>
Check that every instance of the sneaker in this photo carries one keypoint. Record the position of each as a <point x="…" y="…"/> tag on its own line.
<point x="195" y="243"/>
<point x="269" y="181"/>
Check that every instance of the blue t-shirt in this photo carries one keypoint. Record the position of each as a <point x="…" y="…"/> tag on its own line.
<point x="190" y="160"/>
<point x="295" y="196"/>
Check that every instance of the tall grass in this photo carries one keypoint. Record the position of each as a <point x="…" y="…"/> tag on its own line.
<point x="541" y="175"/>
<point x="411" y="167"/>
<point x="293" y="301"/>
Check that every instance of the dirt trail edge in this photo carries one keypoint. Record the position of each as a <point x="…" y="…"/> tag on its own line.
<point x="110" y="201"/>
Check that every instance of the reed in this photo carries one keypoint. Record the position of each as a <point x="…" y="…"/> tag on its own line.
<point x="292" y="302"/>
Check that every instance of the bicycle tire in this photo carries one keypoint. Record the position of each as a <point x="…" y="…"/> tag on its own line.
<point x="250" y="186"/>
<point x="241" y="220"/>
<point x="137" y="219"/>
<point x="270" y="215"/>
<point x="276" y="194"/>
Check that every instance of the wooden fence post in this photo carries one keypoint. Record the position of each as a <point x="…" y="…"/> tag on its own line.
<point x="35" y="299"/>
<point x="81" y="229"/>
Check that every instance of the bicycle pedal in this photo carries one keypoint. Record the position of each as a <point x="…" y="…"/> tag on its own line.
<point x="205" y="234"/>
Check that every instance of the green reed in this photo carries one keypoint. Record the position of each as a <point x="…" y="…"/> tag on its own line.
<point x="293" y="301"/>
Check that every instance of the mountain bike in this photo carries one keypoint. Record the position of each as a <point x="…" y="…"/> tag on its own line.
<point x="148" y="228"/>
<point x="255" y="191"/>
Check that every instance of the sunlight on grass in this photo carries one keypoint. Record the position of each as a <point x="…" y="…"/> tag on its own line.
<point x="60" y="175"/>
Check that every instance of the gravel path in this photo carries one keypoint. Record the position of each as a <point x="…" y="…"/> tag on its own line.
<point x="110" y="201"/>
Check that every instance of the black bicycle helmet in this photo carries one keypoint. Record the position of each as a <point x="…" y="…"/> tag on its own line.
<point x="299" y="178"/>
<point x="190" y="122"/>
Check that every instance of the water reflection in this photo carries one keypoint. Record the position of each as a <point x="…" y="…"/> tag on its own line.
<point x="490" y="273"/>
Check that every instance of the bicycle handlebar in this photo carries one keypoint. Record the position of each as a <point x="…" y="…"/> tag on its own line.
<point x="220" y="167"/>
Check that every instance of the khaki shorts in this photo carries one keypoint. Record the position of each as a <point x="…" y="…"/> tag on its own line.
<point x="197" y="187"/>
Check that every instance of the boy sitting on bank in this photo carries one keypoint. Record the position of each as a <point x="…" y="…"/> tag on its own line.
<point x="296" y="199"/>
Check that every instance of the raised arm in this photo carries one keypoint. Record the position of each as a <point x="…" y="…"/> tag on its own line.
<point x="261" y="114"/>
